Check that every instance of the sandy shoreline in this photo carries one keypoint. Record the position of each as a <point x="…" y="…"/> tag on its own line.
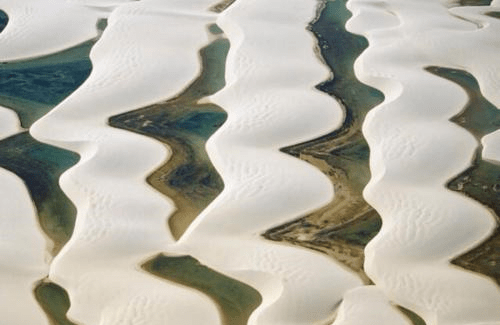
<point x="430" y="159"/>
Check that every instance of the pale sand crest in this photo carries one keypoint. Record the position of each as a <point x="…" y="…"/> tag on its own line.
<point x="271" y="103"/>
<point x="140" y="59"/>
<point x="415" y="150"/>
<point x="148" y="53"/>
<point x="38" y="28"/>
<point x="367" y="305"/>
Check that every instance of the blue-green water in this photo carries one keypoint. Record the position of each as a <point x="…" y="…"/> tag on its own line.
<point x="481" y="181"/>
<point x="344" y="226"/>
<point x="33" y="87"/>
<point x="235" y="299"/>
<point x="189" y="177"/>
<point x="4" y="19"/>
<point x="40" y="166"/>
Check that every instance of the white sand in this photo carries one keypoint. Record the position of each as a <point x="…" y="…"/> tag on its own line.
<point x="271" y="103"/>
<point x="415" y="149"/>
<point x="149" y="53"/>
<point x="367" y="305"/>
<point x="145" y="55"/>
<point x="38" y="27"/>
<point x="22" y="251"/>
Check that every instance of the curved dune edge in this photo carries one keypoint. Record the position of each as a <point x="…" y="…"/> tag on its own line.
<point x="37" y="28"/>
<point x="341" y="228"/>
<point x="183" y="124"/>
<point x="415" y="150"/>
<point x="25" y="238"/>
<point x="121" y="220"/>
<point x="22" y="245"/>
<point x="271" y="102"/>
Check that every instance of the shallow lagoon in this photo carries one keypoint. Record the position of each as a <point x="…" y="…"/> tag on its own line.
<point x="343" y="227"/>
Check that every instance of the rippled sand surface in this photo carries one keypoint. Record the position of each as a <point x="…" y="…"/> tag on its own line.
<point x="285" y="162"/>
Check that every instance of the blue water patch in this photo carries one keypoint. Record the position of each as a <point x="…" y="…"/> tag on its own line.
<point x="4" y="19"/>
<point x="33" y="87"/>
<point x="40" y="165"/>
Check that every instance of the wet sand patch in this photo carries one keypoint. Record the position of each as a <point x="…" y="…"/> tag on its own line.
<point x="235" y="299"/>
<point x="343" y="227"/>
<point x="481" y="181"/>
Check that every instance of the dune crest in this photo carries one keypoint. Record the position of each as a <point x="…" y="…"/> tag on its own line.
<point x="416" y="149"/>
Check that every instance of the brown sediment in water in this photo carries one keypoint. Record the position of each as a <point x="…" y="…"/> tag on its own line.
<point x="342" y="228"/>
<point x="412" y="317"/>
<point x="54" y="301"/>
<point x="190" y="180"/>
<point x="235" y="299"/>
<point x="184" y="125"/>
<point x="221" y="6"/>
<point x="481" y="181"/>
<point x="494" y="14"/>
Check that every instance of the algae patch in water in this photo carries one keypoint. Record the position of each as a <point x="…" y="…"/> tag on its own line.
<point x="342" y="228"/>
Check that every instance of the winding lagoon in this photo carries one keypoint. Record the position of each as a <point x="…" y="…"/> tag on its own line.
<point x="31" y="88"/>
<point x="235" y="299"/>
<point x="481" y="181"/>
<point x="184" y="124"/>
<point x="342" y="228"/>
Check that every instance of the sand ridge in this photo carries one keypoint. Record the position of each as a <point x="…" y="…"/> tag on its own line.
<point x="415" y="150"/>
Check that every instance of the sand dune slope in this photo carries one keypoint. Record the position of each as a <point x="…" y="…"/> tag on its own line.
<point x="145" y="55"/>
<point x="415" y="150"/>
<point x="271" y="103"/>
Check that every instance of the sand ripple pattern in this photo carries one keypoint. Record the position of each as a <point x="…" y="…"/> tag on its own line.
<point x="141" y="58"/>
<point x="415" y="150"/>
<point x="271" y="103"/>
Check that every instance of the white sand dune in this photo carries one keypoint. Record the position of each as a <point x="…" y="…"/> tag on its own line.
<point x="149" y="53"/>
<point x="120" y="220"/>
<point x="38" y="28"/>
<point x="144" y="56"/>
<point x="415" y="149"/>
<point x="271" y="103"/>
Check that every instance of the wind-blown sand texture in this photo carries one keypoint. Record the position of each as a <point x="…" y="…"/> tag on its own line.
<point x="150" y="149"/>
